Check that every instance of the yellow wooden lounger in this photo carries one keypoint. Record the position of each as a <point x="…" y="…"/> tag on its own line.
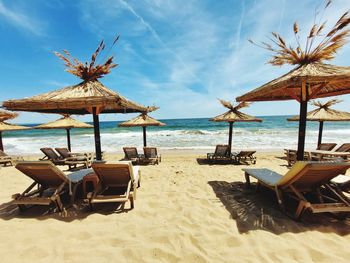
<point x="118" y="183"/>
<point x="306" y="178"/>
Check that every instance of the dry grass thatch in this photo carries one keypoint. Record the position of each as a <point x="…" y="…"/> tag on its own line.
<point x="234" y="115"/>
<point x="88" y="70"/>
<point x="77" y="99"/>
<point x="325" y="113"/>
<point x="66" y="122"/>
<point x="7" y="115"/>
<point x="319" y="46"/>
<point x="143" y="120"/>
<point x="324" y="80"/>
<point x="4" y="126"/>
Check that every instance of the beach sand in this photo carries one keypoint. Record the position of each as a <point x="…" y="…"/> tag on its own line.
<point x="185" y="211"/>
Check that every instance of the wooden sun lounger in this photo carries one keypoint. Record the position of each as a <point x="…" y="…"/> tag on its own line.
<point x="8" y="160"/>
<point x="245" y="157"/>
<point x="222" y="152"/>
<point x="305" y="178"/>
<point x="79" y="158"/>
<point x="5" y="159"/>
<point x="51" y="184"/>
<point x="118" y="182"/>
<point x="132" y="155"/>
<point x="326" y="146"/>
<point x="72" y="162"/>
<point x="291" y="156"/>
<point x="151" y="155"/>
<point x="343" y="151"/>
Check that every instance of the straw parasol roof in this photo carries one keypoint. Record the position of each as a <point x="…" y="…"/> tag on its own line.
<point x="66" y="122"/>
<point x="324" y="80"/>
<point x="311" y="78"/>
<point x="234" y="115"/>
<point x="77" y="99"/>
<point x="6" y="115"/>
<point x="4" y="126"/>
<point x="325" y="113"/>
<point x="141" y="121"/>
<point x="89" y="96"/>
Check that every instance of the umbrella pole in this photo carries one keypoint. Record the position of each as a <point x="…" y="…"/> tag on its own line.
<point x="1" y="145"/>
<point x="68" y="140"/>
<point x="320" y="130"/>
<point x="144" y="136"/>
<point x="97" y="134"/>
<point x="302" y="121"/>
<point x="230" y="136"/>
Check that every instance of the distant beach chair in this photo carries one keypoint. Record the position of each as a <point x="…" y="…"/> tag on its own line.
<point x="132" y="155"/>
<point x="222" y="152"/>
<point x="51" y="184"/>
<point x="327" y="155"/>
<point x="302" y="179"/>
<point x="345" y="147"/>
<point x="326" y="146"/>
<point x="291" y="156"/>
<point x="244" y="157"/>
<point x="72" y="162"/>
<point x="84" y="157"/>
<point x="5" y="159"/>
<point x="151" y="155"/>
<point x="343" y="182"/>
<point x="118" y="182"/>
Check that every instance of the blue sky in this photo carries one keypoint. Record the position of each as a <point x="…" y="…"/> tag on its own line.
<point x="178" y="54"/>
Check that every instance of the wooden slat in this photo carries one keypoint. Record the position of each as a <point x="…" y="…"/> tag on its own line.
<point x="330" y="207"/>
<point x="32" y="201"/>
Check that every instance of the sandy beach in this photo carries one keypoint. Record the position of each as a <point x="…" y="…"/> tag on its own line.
<point x="185" y="211"/>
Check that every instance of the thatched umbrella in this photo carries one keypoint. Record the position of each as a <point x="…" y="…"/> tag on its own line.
<point x="143" y="120"/>
<point x="67" y="123"/>
<point x="310" y="79"/>
<point x="324" y="113"/>
<point x="234" y="115"/>
<point x="89" y="96"/>
<point x="4" y="126"/>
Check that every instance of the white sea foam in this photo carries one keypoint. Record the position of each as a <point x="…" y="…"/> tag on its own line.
<point x="260" y="139"/>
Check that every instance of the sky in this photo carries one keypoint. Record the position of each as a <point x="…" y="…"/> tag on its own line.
<point x="180" y="55"/>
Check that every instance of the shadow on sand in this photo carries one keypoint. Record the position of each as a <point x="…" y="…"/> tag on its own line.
<point x="205" y="161"/>
<point x="259" y="211"/>
<point x="79" y="211"/>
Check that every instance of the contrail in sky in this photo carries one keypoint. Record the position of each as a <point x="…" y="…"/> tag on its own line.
<point x="157" y="37"/>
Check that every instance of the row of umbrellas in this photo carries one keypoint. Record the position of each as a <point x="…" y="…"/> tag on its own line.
<point x="321" y="114"/>
<point x="68" y="123"/>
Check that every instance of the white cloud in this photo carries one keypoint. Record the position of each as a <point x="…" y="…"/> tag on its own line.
<point x="184" y="54"/>
<point x="20" y="20"/>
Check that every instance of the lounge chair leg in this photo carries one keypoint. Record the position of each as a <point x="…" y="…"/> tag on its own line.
<point x="280" y="199"/>
<point x="300" y="210"/>
<point x="247" y="179"/>
<point x="131" y="202"/>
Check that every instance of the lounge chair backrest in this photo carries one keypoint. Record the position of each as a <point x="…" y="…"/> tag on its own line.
<point x="130" y="152"/>
<point x="2" y="154"/>
<point x="114" y="173"/>
<point x="43" y="172"/>
<point x="326" y="146"/>
<point x="50" y="153"/>
<point x="64" y="152"/>
<point x="222" y="150"/>
<point x="345" y="147"/>
<point x="309" y="175"/>
<point x="150" y="152"/>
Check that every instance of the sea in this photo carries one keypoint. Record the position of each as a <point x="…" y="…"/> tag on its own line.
<point x="273" y="133"/>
